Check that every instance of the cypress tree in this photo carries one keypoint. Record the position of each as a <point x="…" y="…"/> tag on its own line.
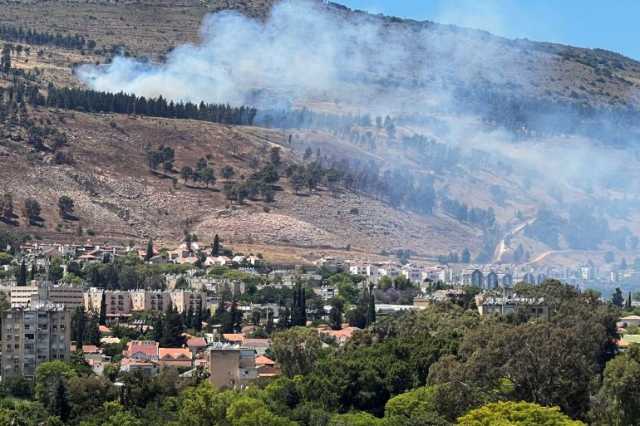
<point x="236" y="316"/>
<point x="197" y="318"/>
<point x="371" y="312"/>
<point x="103" y="309"/>
<point x="269" y="327"/>
<point x="303" y="306"/>
<point x="628" y="305"/>
<point x="158" y="327"/>
<point x="92" y="332"/>
<point x="33" y="272"/>
<point x="78" y="326"/>
<point x="172" y="329"/>
<point x="335" y="316"/>
<point x="215" y="247"/>
<point x="189" y="318"/>
<point x="59" y="405"/>
<point x="21" y="275"/>
<point x="295" y="311"/>
<point x="149" y="253"/>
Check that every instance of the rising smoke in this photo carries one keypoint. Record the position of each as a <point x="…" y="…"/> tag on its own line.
<point x="304" y="54"/>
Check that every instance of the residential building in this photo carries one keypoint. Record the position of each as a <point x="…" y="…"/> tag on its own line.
<point x="231" y="366"/>
<point x="184" y="300"/>
<point x="506" y="305"/>
<point x="69" y="296"/>
<point x="33" y="335"/>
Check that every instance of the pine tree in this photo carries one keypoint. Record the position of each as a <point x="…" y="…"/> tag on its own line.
<point x="21" y="275"/>
<point x="215" y="247"/>
<point x="149" y="253"/>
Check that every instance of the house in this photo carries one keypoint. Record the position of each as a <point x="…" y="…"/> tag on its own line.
<point x="341" y="336"/>
<point x="266" y="367"/>
<point x="148" y="368"/>
<point x="146" y="350"/>
<point x="175" y="357"/>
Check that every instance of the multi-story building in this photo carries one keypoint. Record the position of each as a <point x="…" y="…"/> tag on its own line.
<point x="33" y="335"/>
<point x="120" y="304"/>
<point x="231" y="366"/>
<point x="117" y="302"/>
<point x="69" y="296"/>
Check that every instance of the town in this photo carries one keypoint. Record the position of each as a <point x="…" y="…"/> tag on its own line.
<point x="204" y="309"/>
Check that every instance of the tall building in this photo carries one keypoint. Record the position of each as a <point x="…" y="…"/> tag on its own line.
<point x="32" y="335"/>
<point x="231" y="366"/>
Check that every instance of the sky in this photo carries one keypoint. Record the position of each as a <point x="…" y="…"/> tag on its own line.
<point x="611" y="25"/>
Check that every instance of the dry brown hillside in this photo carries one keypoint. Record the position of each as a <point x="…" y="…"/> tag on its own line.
<point x="118" y="198"/>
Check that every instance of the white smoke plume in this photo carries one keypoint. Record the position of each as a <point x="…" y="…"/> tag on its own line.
<point x="303" y="53"/>
<point x="300" y="51"/>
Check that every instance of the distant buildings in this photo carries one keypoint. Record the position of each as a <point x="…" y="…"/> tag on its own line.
<point x="512" y="304"/>
<point x="121" y="304"/>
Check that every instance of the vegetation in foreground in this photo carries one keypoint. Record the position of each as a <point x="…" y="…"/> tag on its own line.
<point x="440" y="366"/>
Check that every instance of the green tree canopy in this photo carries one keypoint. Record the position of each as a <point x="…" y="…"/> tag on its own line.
<point x="516" y="414"/>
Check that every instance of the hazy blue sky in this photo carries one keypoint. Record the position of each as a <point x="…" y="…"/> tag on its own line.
<point x="612" y="25"/>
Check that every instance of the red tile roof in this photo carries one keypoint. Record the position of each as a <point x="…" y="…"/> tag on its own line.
<point x="263" y="360"/>
<point x="170" y="354"/>
<point x="148" y="348"/>
<point x="197" y="342"/>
